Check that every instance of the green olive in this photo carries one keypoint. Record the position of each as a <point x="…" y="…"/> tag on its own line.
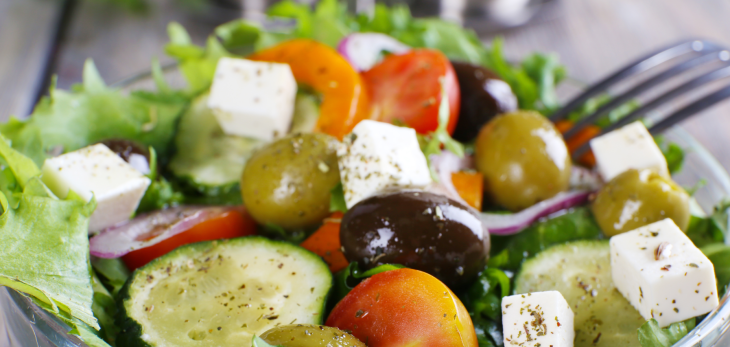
<point x="305" y="335"/>
<point x="288" y="182"/>
<point x="639" y="197"/>
<point x="523" y="158"/>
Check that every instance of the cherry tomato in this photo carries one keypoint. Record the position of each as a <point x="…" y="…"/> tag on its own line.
<point x="325" y="242"/>
<point x="229" y="224"/>
<point x="345" y="101"/>
<point x="407" y="88"/>
<point x="404" y="307"/>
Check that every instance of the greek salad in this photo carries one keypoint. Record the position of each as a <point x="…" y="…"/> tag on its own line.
<point x="351" y="180"/>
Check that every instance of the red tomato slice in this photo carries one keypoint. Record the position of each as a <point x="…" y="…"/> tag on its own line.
<point x="229" y="224"/>
<point x="407" y="88"/>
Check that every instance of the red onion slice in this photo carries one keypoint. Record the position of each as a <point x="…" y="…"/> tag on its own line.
<point x="445" y="164"/>
<point x="363" y="50"/>
<point x="508" y="224"/>
<point x="149" y="229"/>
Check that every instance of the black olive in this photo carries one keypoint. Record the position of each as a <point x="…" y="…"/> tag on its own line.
<point x="131" y="152"/>
<point x="420" y="230"/>
<point x="483" y="96"/>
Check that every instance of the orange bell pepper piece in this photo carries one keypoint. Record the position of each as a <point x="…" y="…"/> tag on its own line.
<point x="325" y="242"/>
<point x="581" y="138"/>
<point x="345" y="100"/>
<point x="470" y="186"/>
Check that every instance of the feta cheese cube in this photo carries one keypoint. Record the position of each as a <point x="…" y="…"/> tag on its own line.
<point x="630" y="147"/>
<point x="377" y="157"/>
<point x="253" y="99"/>
<point x="661" y="272"/>
<point x="99" y="172"/>
<point x="537" y="319"/>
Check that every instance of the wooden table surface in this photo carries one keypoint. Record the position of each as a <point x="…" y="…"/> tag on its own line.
<point x="592" y="37"/>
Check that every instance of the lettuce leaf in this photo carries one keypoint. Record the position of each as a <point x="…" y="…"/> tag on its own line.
<point x="105" y="309"/>
<point x="112" y="273"/>
<point x="533" y="81"/>
<point x="483" y="297"/>
<point x="452" y="39"/>
<point x="70" y="120"/>
<point x="711" y="229"/>
<point x="197" y="64"/>
<point x="432" y="142"/>
<point x="87" y="334"/>
<point x="337" y="199"/>
<point x="346" y="279"/>
<point x="673" y="153"/>
<point x="45" y="243"/>
<point x="651" y="335"/>
<point x="508" y="252"/>
<point x="489" y="332"/>
<point x="546" y="71"/>
<point x="328" y="23"/>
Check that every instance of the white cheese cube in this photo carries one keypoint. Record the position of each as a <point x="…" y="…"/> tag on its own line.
<point x="253" y="99"/>
<point x="661" y="272"/>
<point x="630" y="147"/>
<point x="537" y="319"/>
<point x="97" y="171"/>
<point x="377" y="157"/>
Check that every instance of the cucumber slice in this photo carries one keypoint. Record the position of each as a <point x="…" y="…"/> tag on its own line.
<point x="581" y="271"/>
<point x="221" y="293"/>
<point x="206" y="157"/>
<point x="211" y="161"/>
<point x="306" y="113"/>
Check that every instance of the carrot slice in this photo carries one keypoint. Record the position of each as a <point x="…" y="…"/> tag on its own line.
<point x="470" y="186"/>
<point x="325" y="242"/>
<point x="582" y="137"/>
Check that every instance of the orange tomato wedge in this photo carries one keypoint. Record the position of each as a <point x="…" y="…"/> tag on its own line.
<point x="325" y="242"/>
<point x="470" y="186"/>
<point x="345" y="100"/>
<point x="581" y="138"/>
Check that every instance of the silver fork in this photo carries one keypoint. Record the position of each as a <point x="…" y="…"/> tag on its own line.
<point x="698" y="53"/>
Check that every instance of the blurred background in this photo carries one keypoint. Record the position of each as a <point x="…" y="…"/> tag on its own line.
<point x="42" y="38"/>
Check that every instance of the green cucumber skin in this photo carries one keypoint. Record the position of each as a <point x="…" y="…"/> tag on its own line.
<point x="201" y="143"/>
<point x="613" y="317"/>
<point x="597" y="244"/>
<point x="131" y="331"/>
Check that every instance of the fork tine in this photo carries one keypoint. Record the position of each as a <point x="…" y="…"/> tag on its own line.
<point x="719" y="73"/>
<point x="691" y="109"/>
<point x="642" y="64"/>
<point x="716" y="74"/>
<point x="704" y="58"/>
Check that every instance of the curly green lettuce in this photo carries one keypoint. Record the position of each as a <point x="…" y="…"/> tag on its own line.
<point x="44" y="240"/>
<point x="651" y="335"/>
<point x="92" y="112"/>
<point x="533" y="81"/>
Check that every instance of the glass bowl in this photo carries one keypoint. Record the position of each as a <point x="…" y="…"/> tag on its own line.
<point x="22" y="323"/>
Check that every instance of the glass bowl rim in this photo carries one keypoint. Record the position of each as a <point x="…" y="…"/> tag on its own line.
<point x="706" y="333"/>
